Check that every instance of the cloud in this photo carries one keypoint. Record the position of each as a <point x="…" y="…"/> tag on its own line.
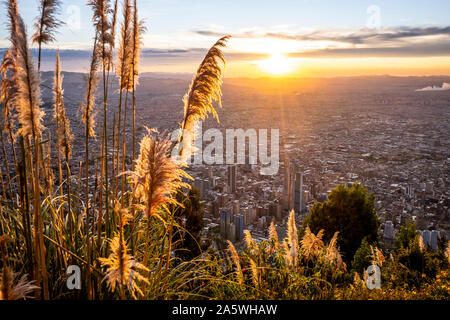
<point x="360" y="36"/>
<point x="429" y="49"/>
<point x="428" y="41"/>
<point x="445" y="86"/>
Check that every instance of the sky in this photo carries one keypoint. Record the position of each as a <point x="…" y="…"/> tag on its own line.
<point x="272" y="38"/>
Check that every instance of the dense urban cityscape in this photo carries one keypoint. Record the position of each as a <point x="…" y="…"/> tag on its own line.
<point x="332" y="132"/>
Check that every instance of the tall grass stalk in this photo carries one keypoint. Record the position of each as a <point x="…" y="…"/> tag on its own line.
<point x="204" y="89"/>
<point x="46" y="24"/>
<point x="30" y="117"/>
<point x="64" y="137"/>
<point x="138" y="31"/>
<point x="123" y="70"/>
<point x="88" y="118"/>
<point x="106" y="43"/>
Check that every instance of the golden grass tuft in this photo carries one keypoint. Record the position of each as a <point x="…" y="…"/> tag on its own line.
<point x="122" y="268"/>
<point x="87" y="108"/>
<point x="273" y="236"/>
<point x="14" y="288"/>
<point x="255" y="272"/>
<point x="237" y="262"/>
<point x="377" y="256"/>
<point x="64" y="136"/>
<point x="251" y="244"/>
<point x="125" y="55"/>
<point x="204" y="89"/>
<point x="292" y="239"/>
<point x="46" y="24"/>
<point x="332" y="252"/>
<point x="311" y="243"/>
<point x="28" y="98"/>
<point x="156" y="176"/>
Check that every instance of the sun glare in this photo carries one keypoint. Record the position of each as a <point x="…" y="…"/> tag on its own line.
<point x="277" y="64"/>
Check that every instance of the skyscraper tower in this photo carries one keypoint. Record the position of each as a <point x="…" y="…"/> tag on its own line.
<point x="225" y="219"/>
<point x="239" y="223"/>
<point x="231" y="173"/>
<point x="288" y="185"/>
<point x="297" y="193"/>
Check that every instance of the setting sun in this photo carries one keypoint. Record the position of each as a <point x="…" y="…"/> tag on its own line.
<point x="276" y="64"/>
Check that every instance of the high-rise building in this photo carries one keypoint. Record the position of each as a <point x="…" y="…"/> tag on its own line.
<point x="259" y="211"/>
<point x="306" y="197"/>
<point x="252" y="215"/>
<point x="434" y="239"/>
<point x="236" y="207"/>
<point x="223" y="199"/>
<point x="246" y="213"/>
<point x="215" y="208"/>
<point x="231" y="174"/>
<point x="225" y="219"/>
<point x="231" y="232"/>
<point x="297" y="193"/>
<point x="288" y="185"/>
<point x="426" y="236"/>
<point x="239" y="223"/>
<point x="262" y="223"/>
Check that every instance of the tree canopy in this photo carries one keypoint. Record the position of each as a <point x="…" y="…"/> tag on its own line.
<point x="351" y="212"/>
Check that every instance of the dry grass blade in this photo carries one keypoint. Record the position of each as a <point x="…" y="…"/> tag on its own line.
<point x="332" y="253"/>
<point x="138" y="30"/>
<point x="27" y="102"/>
<point x="28" y="98"/>
<point x="292" y="238"/>
<point x="101" y="9"/>
<point x="237" y="262"/>
<point x="251" y="244"/>
<point x="47" y="23"/>
<point x="8" y="88"/>
<point x="312" y="244"/>
<point x="65" y="138"/>
<point x="204" y="89"/>
<point x="87" y="108"/>
<point x="255" y="273"/>
<point x="273" y="236"/>
<point x="125" y="55"/>
<point x="156" y="177"/>
<point x="14" y="288"/>
<point x="114" y="22"/>
<point x="7" y="73"/>
<point x="377" y="256"/>
<point x="122" y="268"/>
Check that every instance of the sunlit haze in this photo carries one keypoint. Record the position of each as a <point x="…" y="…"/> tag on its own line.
<point x="302" y="38"/>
